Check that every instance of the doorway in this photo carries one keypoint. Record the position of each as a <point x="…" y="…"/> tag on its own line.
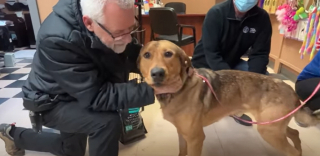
<point x="19" y="24"/>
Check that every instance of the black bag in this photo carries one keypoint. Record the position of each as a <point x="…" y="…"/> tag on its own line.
<point x="133" y="128"/>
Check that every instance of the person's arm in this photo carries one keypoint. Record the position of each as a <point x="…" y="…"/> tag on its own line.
<point x="211" y="36"/>
<point x="259" y="54"/>
<point x="78" y="77"/>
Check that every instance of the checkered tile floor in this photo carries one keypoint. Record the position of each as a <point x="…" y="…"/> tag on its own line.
<point x="12" y="79"/>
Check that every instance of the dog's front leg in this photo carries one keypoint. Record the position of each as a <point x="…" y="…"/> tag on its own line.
<point x="195" y="143"/>
<point x="182" y="146"/>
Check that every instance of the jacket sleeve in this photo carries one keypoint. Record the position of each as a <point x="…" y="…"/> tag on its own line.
<point x="211" y="32"/>
<point x="79" y="78"/>
<point x="259" y="55"/>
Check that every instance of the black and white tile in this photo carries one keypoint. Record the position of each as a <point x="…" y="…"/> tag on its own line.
<point x="13" y="78"/>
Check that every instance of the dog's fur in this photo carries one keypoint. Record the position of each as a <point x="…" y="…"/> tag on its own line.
<point x="193" y="106"/>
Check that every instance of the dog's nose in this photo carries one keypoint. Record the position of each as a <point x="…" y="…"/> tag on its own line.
<point x="157" y="74"/>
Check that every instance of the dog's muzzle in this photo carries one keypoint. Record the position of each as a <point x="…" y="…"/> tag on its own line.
<point x="158" y="75"/>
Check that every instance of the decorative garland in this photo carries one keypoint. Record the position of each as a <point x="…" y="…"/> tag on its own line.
<point x="290" y="14"/>
<point x="309" y="45"/>
<point x="285" y="15"/>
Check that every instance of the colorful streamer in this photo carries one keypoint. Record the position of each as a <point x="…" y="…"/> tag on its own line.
<point x="307" y="31"/>
<point x="310" y="31"/>
<point x="316" y="36"/>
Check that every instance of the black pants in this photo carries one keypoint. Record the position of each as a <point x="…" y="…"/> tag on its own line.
<point x="304" y="89"/>
<point x="76" y="124"/>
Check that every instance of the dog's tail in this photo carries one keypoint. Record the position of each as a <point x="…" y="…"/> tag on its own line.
<point x="304" y="117"/>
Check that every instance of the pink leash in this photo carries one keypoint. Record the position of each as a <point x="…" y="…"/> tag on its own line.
<point x="266" y="122"/>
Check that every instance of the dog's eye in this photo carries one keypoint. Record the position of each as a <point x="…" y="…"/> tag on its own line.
<point x="146" y="55"/>
<point x="168" y="54"/>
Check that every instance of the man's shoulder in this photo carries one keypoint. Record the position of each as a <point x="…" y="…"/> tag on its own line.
<point x="58" y="28"/>
<point x="60" y="39"/>
<point x="262" y="13"/>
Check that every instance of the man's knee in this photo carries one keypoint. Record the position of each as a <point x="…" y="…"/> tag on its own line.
<point x="303" y="91"/>
<point x="74" y="152"/>
<point x="109" y="120"/>
<point x="114" y="121"/>
<point x="73" y="144"/>
<point x="242" y="65"/>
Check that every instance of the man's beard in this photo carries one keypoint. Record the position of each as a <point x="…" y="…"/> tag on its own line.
<point x="117" y="48"/>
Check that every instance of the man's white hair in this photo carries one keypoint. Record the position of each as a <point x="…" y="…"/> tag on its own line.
<point x="94" y="8"/>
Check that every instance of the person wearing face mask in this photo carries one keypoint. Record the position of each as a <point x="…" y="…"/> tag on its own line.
<point x="230" y="30"/>
<point x="79" y="80"/>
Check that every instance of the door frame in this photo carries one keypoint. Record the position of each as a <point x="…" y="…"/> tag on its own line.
<point x="35" y="17"/>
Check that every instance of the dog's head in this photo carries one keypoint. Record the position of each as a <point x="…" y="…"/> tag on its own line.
<point x="164" y="65"/>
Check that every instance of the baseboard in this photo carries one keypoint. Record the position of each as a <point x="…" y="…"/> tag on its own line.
<point x="289" y="73"/>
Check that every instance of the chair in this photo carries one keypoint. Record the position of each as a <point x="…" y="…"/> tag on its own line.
<point x="164" y="23"/>
<point x="179" y="7"/>
<point x="18" y="30"/>
<point x="16" y="6"/>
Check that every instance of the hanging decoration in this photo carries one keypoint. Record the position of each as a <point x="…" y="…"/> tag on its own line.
<point x="312" y="48"/>
<point x="310" y="32"/>
<point x="289" y="14"/>
<point x="317" y="45"/>
<point x="285" y="14"/>
<point x="298" y="22"/>
<point x="302" y="49"/>
<point x="300" y="14"/>
<point x="311" y="41"/>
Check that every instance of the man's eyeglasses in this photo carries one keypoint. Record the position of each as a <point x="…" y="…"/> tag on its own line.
<point x="119" y="37"/>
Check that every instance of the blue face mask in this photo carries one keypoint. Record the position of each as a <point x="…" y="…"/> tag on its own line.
<point x="245" y="5"/>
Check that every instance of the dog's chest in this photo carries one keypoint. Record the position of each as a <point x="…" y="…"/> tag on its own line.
<point x="168" y="115"/>
<point x="174" y="110"/>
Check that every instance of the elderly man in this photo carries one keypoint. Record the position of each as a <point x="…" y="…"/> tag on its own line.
<point x="79" y="79"/>
<point x="231" y="29"/>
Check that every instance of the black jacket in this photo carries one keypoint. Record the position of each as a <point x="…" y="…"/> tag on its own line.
<point x="225" y="39"/>
<point x="71" y="61"/>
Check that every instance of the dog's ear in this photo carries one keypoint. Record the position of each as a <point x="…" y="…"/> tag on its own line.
<point x="138" y="62"/>
<point x="138" y="59"/>
<point x="185" y="61"/>
<point x="139" y="56"/>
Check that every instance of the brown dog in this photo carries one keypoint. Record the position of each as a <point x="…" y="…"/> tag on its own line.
<point x="190" y="105"/>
